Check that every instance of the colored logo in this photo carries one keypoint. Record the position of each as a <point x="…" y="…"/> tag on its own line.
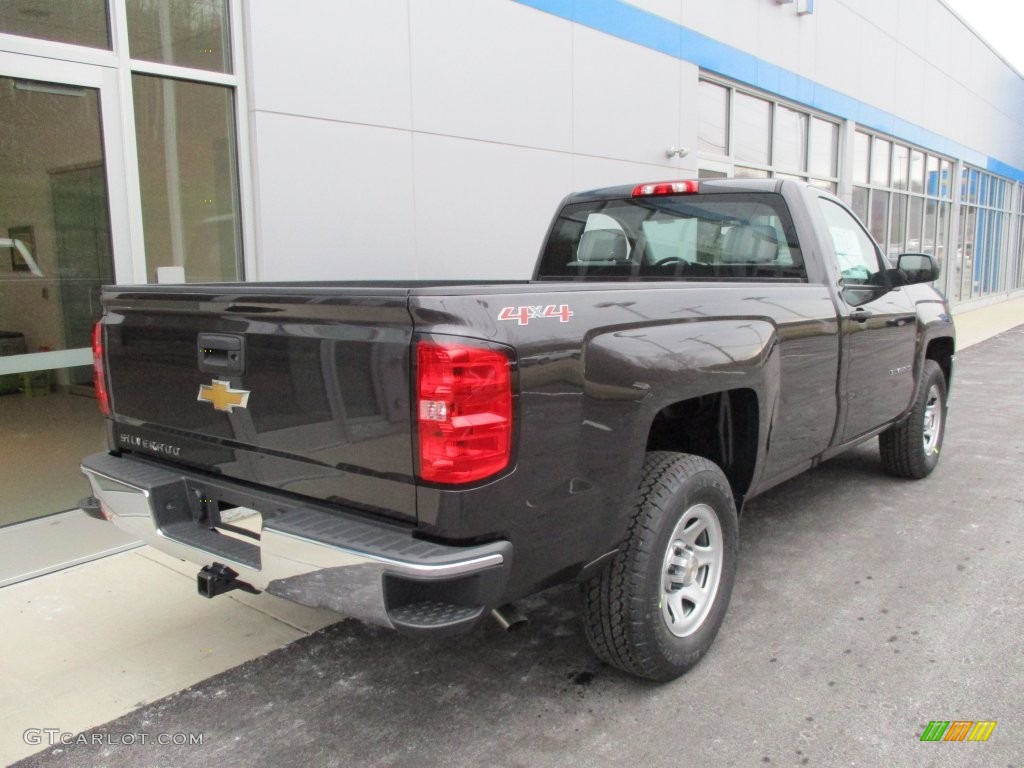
<point x="958" y="730"/>
<point x="523" y="315"/>
<point x="222" y="397"/>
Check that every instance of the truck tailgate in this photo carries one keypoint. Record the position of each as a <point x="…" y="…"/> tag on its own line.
<point x="300" y="390"/>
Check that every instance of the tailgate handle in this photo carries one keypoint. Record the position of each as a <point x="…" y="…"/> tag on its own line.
<point x="221" y="353"/>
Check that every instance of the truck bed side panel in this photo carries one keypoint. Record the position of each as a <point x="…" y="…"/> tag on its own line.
<point x="592" y="380"/>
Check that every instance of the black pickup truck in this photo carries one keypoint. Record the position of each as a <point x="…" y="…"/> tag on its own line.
<point x="422" y="454"/>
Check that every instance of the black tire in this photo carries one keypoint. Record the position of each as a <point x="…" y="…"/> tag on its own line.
<point x="630" y="608"/>
<point x="911" y="449"/>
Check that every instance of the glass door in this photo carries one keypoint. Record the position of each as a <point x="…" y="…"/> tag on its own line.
<point x="56" y="250"/>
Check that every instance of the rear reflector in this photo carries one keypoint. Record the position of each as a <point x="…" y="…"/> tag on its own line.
<point x="666" y="188"/>
<point x="464" y="411"/>
<point x="99" y="372"/>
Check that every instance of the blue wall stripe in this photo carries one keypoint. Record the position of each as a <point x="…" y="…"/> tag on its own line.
<point x="625" y="21"/>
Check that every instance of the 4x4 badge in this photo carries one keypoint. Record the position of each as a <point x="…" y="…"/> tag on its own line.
<point x="222" y="397"/>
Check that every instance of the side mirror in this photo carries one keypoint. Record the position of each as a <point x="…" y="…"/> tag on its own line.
<point x="917" y="268"/>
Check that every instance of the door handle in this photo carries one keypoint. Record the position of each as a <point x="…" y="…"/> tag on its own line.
<point x="221" y="353"/>
<point x="860" y="314"/>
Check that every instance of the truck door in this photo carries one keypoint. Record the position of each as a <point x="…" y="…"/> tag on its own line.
<point x="879" y="328"/>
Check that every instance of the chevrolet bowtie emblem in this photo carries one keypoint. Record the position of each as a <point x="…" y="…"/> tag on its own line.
<point x="222" y="397"/>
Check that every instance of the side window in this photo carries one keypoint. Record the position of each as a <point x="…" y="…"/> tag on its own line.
<point x="855" y="253"/>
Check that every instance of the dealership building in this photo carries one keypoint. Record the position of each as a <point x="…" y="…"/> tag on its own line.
<point x="211" y="140"/>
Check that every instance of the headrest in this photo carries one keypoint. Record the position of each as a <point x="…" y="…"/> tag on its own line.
<point x="750" y="244"/>
<point x="603" y="245"/>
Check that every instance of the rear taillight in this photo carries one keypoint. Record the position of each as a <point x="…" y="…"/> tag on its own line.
<point x="666" y="188"/>
<point x="464" y="411"/>
<point x="99" y="371"/>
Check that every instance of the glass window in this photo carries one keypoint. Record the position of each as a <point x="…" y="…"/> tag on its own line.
<point x="824" y="145"/>
<point x="860" y="203"/>
<point x="946" y="176"/>
<point x="861" y="156"/>
<point x="879" y="215"/>
<point x="55" y="254"/>
<point x="713" y="127"/>
<point x="933" y="184"/>
<point x="900" y="169"/>
<point x="942" y="236"/>
<point x="750" y="173"/>
<point x="790" y="138"/>
<point x="752" y="128"/>
<point x="880" y="151"/>
<point x="970" y="183"/>
<point x="707" y="173"/>
<point x="79" y="22"/>
<point x="915" y="213"/>
<point x="996" y="194"/>
<point x="916" y="171"/>
<point x="929" y="237"/>
<point x="675" y="236"/>
<point x="186" y="33"/>
<point x="188" y="170"/>
<point x="898" y="226"/>
<point x="829" y="186"/>
<point x="855" y="254"/>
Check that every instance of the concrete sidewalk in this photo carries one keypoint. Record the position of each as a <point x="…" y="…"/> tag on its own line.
<point x="93" y="642"/>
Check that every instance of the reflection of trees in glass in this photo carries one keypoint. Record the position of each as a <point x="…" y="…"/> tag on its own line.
<point x="187" y="33"/>
<point x="188" y="171"/>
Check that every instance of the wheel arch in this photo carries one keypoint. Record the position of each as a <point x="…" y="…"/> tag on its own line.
<point x="942" y="351"/>
<point x="722" y="427"/>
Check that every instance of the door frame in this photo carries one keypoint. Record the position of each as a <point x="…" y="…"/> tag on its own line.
<point x="105" y="80"/>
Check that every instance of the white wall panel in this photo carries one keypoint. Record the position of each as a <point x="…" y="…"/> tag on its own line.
<point x="492" y="70"/>
<point x="779" y="36"/>
<point x="335" y="200"/>
<point x="843" y="54"/>
<point x="736" y="23"/>
<point x="689" y="114"/>
<point x="626" y="99"/>
<point x="482" y="209"/>
<point x="911" y="96"/>
<point x="880" y="13"/>
<point x="877" y="84"/>
<point x="598" y="172"/>
<point x="939" y="25"/>
<point x="667" y="9"/>
<point x="335" y="60"/>
<point x="937" y="107"/>
<point x="912" y="29"/>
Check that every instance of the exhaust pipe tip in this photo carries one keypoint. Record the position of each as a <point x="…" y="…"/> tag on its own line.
<point x="509" y="618"/>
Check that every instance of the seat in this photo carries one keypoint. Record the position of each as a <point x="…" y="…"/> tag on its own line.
<point x="603" y="245"/>
<point x="750" y="244"/>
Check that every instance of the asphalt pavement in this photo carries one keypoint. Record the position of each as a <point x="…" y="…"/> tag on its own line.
<point x="865" y="607"/>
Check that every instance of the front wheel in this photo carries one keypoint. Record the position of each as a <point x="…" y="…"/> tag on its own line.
<point x="911" y="449"/>
<point x="655" y="610"/>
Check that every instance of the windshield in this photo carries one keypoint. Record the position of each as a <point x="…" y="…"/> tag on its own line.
<point x="736" y="236"/>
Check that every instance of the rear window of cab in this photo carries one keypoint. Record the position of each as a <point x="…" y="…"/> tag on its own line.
<point x="692" y="236"/>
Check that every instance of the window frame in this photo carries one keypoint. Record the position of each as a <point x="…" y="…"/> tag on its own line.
<point x="738" y="168"/>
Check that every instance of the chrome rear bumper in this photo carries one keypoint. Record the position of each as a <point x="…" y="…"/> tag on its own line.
<point x="370" y="570"/>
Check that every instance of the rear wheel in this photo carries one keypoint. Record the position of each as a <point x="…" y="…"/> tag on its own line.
<point x="655" y="610"/>
<point x="911" y="449"/>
